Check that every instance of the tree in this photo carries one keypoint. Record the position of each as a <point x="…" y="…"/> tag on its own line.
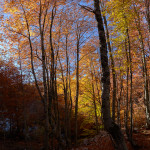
<point x="109" y="125"/>
<point x="112" y="67"/>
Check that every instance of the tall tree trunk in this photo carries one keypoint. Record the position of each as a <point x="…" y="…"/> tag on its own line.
<point x="41" y="28"/>
<point x="127" y="91"/>
<point x="70" y="108"/>
<point x="94" y="98"/>
<point x="119" y="98"/>
<point x="69" y="98"/>
<point x="64" y="87"/>
<point x="77" y="90"/>
<point x="112" y="69"/>
<point x="109" y="125"/>
<point x="66" y="94"/>
<point x="131" y="102"/>
<point x="52" y="99"/>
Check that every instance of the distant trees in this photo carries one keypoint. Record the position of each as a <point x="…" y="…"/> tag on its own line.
<point x="14" y="101"/>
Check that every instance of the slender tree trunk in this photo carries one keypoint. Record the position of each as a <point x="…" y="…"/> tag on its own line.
<point x="127" y="91"/>
<point x="94" y="99"/>
<point x="52" y="99"/>
<point x="66" y="95"/>
<point x="109" y="125"/>
<point x="70" y="109"/>
<point x="57" y="103"/>
<point x="112" y="69"/>
<point x="69" y="98"/>
<point x="46" y="141"/>
<point x="98" y="90"/>
<point x="43" y="98"/>
<point x="131" y="102"/>
<point x="64" y="87"/>
<point x="119" y="99"/>
<point x="77" y="91"/>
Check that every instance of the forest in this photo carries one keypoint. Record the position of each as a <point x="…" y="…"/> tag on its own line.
<point x="74" y="75"/>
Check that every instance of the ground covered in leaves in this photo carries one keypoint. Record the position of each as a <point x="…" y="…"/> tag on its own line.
<point x="101" y="141"/>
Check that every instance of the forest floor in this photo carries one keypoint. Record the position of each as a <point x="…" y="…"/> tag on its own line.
<point x="98" y="142"/>
<point x="103" y="142"/>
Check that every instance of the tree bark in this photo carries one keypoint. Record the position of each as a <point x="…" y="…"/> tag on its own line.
<point x="119" y="98"/>
<point x="127" y="91"/>
<point x="131" y="89"/>
<point x="109" y="125"/>
<point x="77" y="90"/>
<point x="94" y="98"/>
<point x="113" y="71"/>
<point x="46" y="141"/>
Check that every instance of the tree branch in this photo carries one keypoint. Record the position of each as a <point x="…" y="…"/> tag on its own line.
<point x="87" y="8"/>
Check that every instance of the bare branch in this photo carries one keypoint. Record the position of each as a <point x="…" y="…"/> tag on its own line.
<point x="87" y="8"/>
